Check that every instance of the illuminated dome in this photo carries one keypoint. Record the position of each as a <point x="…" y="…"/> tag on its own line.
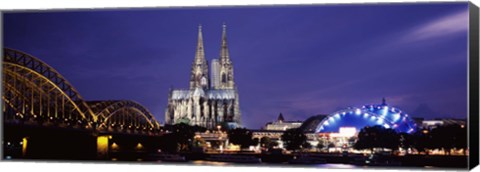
<point x="368" y="115"/>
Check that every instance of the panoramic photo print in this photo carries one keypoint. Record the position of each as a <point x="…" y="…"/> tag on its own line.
<point x="319" y="86"/>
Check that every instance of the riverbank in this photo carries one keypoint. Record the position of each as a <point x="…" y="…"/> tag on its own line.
<point x="352" y="160"/>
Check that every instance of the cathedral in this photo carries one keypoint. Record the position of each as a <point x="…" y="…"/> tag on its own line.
<point x="212" y="98"/>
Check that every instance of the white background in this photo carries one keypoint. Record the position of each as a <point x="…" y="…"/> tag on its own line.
<point x="6" y="5"/>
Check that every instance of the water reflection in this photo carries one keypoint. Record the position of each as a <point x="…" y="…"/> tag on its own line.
<point x="336" y="166"/>
<point x="214" y="163"/>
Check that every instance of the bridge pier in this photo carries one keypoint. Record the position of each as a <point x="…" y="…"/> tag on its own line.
<point x="103" y="146"/>
<point x="128" y="147"/>
<point x="24" y="144"/>
<point x="36" y="142"/>
<point x="31" y="142"/>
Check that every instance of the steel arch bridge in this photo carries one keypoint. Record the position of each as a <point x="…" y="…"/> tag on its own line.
<point x="34" y="93"/>
<point x="123" y="116"/>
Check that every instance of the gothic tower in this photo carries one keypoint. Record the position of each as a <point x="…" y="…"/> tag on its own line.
<point x="212" y="100"/>
<point x="226" y="66"/>
<point x="199" y="75"/>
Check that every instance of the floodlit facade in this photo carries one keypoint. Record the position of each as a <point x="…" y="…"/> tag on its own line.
<point x="209" y="101"/>
<point x="215" y="74"/>
<point x="281" y="124"/>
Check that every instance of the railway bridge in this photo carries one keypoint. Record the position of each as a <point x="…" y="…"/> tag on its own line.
<point x="45" y="117"/>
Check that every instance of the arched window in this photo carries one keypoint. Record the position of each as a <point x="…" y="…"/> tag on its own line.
<point x="203" y="81"/>
<point x="224" y="78"/>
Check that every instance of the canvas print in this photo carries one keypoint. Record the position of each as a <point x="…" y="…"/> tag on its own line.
<point x="321" y="86"/>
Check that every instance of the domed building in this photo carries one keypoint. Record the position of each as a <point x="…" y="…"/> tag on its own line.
<point x="339" y="127"/>
<point x="311" y="124"/>
<point x="369" y="115"/>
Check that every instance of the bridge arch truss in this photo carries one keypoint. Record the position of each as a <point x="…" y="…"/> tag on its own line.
<point x="34" y="93"/>
<point x="123" y="115"/>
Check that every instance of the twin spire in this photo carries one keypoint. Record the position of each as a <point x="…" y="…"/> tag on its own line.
<point x="222" y="70"/>
<point x="200" y="53"/>
<point x="224" y="50"/>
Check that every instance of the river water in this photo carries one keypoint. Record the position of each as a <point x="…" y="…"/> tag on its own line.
<point x="327" y="165"/>
<point x="214" y="163"/>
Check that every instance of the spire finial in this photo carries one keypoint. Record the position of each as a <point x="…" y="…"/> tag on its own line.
<point x="199" y="66"/>
<point x="224" y="57"/>
<point x="224" y="33"/>
<point x="280" y="118"/>
<point x="200" y="54"/>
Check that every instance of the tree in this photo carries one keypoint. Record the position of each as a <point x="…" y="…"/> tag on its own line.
<point x="265" y="141"/>
<point x="421" y="140"/>
<point x="272" y="144"/>
<point x="294" y="138"/>
<point x="255" y="141"/>
<point x="449" y="137"/>
<point x="169" y="143"/>
<point x="240" y="136"/>
<point x="389" y="139"/>
<point x="367" y="138"/>
<point x="330" y="145"/>
<point x="306" y="145"/>
<point x="320" y="146"/>
<point x="377" y="137"/>
<point x="445" y="137"/>
<point x="180" y="138"/>
<point x="197" y="128"/>
<point x="406" y="141"/>
<point x="461" y="140"/>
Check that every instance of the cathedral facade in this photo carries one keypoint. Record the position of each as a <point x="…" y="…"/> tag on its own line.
<point x="212" y="98"/>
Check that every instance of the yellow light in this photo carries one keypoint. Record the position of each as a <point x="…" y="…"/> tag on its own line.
<point x="24" y="146"/>
<point x="114" y="146"/>
<point x="139" y="146"/>
<point x="102" y="146"/>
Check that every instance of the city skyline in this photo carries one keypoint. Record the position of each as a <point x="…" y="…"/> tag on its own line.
<point x="414" y="55"/>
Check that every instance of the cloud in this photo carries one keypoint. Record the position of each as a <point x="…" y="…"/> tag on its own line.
<point x="450" y="24"/>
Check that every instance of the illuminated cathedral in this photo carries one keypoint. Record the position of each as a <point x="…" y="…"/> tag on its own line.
<point x="212" y="98"/>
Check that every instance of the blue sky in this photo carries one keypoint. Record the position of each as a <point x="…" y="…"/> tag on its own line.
<point x="297" y="60"/>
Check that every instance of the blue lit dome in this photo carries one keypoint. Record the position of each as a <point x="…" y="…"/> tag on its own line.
<point x="368" y="115"/>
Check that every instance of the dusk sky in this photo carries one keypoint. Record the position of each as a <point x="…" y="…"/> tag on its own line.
<point x="296" y="60"/>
